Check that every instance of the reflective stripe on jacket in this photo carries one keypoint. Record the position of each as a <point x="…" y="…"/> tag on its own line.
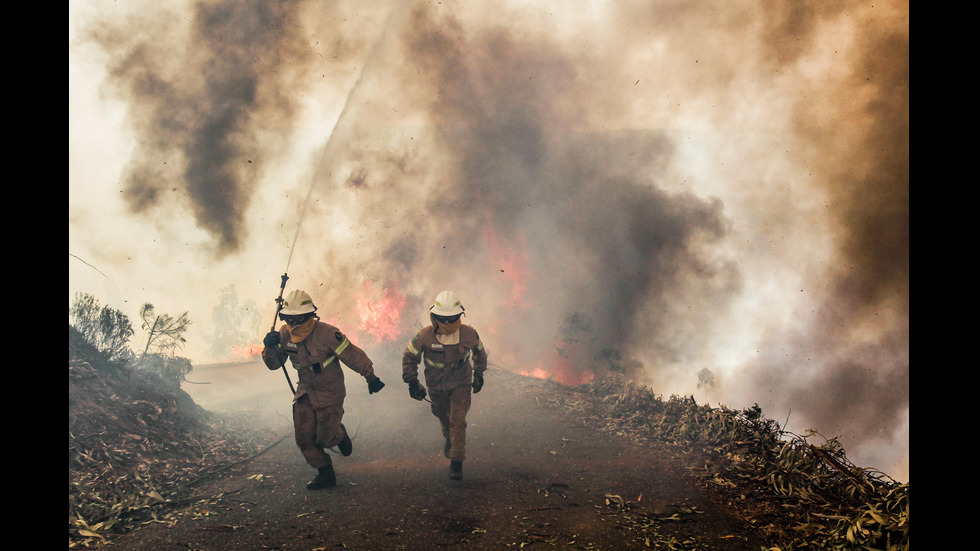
<point x="447" y="366"/>
<point x="320" y="375"/>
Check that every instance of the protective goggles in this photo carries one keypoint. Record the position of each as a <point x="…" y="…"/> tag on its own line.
<point x="295" y="319"/>
<point x="447" y="319"/>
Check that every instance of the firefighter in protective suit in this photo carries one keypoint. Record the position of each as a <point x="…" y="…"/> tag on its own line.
<point x="455" y="362"/>
<point x="316" y="349"/>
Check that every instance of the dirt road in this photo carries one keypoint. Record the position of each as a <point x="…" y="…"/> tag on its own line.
<point x="533" y="479"/>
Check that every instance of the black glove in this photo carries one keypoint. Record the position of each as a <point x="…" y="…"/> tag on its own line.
<point x="477" y="382"/>
<point x="417" y="391"/>
<point x="271" y="339"/>
<point x="375" y="385"/>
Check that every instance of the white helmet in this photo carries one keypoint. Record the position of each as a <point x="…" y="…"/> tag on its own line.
<point x="447" y="304"/>
<point x="296" y="303"/>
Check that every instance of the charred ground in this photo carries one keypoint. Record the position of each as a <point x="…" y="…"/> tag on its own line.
<point x="608" y="465"/>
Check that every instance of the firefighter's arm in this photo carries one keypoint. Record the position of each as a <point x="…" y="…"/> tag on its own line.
<point x="479" y="357"/>
<point x="273" y="355"/>
<point x="410" y="361"/>
<point x="410" y="368"/>
<point x="356" y="359"/>
<point x="479" y="365"/>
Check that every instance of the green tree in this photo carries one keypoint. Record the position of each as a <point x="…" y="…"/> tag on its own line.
<point x="236" y="323"/>
<point x="165" y="333"/>
<point x="107" y="329"/>
<point x="706" y="380"/>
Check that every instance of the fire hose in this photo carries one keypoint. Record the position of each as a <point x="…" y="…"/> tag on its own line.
<point x="282" y="365"/>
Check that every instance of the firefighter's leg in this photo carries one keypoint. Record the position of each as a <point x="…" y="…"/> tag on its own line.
<point x="306" y="427"/>
<point x="329" y="431"/>
<point x="440" y="408"/>
<point x="459" y="405"/>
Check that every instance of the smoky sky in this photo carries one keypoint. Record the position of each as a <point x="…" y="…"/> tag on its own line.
<point x="550" y="167"/>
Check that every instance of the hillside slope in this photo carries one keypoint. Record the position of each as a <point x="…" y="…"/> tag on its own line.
<point x="134" y="441"/>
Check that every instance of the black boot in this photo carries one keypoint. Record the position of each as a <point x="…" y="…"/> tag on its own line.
<point x="456" y="470"/>
<point x="325" y="478"/>
<point x="446" y="448"/>
<point x="346" y="446"/>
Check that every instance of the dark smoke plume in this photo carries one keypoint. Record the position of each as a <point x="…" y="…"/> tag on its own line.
<point x="519" y="172"/>
<point x="853" y="369"/>
<point x="199" y="102"/>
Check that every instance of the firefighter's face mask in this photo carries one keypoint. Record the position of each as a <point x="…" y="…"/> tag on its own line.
<point x="299" y="326"/>
<point x="447" y="325"/>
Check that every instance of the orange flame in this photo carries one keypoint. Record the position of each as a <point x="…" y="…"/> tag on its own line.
<point x="561" y="370"/>
<point x="246" y="351"/>
<point x="380" y="314"/>
<point x="537" y="373"/>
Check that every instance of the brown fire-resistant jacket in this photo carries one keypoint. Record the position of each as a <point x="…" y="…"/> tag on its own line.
<point x="322" y="347"/>
<point x="447" y="366"/>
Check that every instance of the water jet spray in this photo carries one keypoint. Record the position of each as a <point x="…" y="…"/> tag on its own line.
<point x="309" y="193"/>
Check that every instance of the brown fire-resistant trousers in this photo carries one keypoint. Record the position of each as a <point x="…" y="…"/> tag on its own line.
<point x="317" y="429"/>
<point x="451" y="408"/>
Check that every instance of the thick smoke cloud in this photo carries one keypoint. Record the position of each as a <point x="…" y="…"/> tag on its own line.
<point x="858" y="338"/>
<point x="640" y="189"/>
<point x="523" y="174"/>
<point x="199" y="100"/>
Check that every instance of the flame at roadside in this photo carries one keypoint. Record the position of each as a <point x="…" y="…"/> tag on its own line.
<point x="380" y="312"/>
<point x="240" y="353"/>
<point x="559" y="366"/>
<point x="246" y="351"/>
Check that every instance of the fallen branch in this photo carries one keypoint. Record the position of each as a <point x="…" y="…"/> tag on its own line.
<point x="230" y="465"/>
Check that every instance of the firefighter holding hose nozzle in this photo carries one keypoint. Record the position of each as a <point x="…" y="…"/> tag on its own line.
<point x="455" y="362"/>
<point x="316" y="349"/>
